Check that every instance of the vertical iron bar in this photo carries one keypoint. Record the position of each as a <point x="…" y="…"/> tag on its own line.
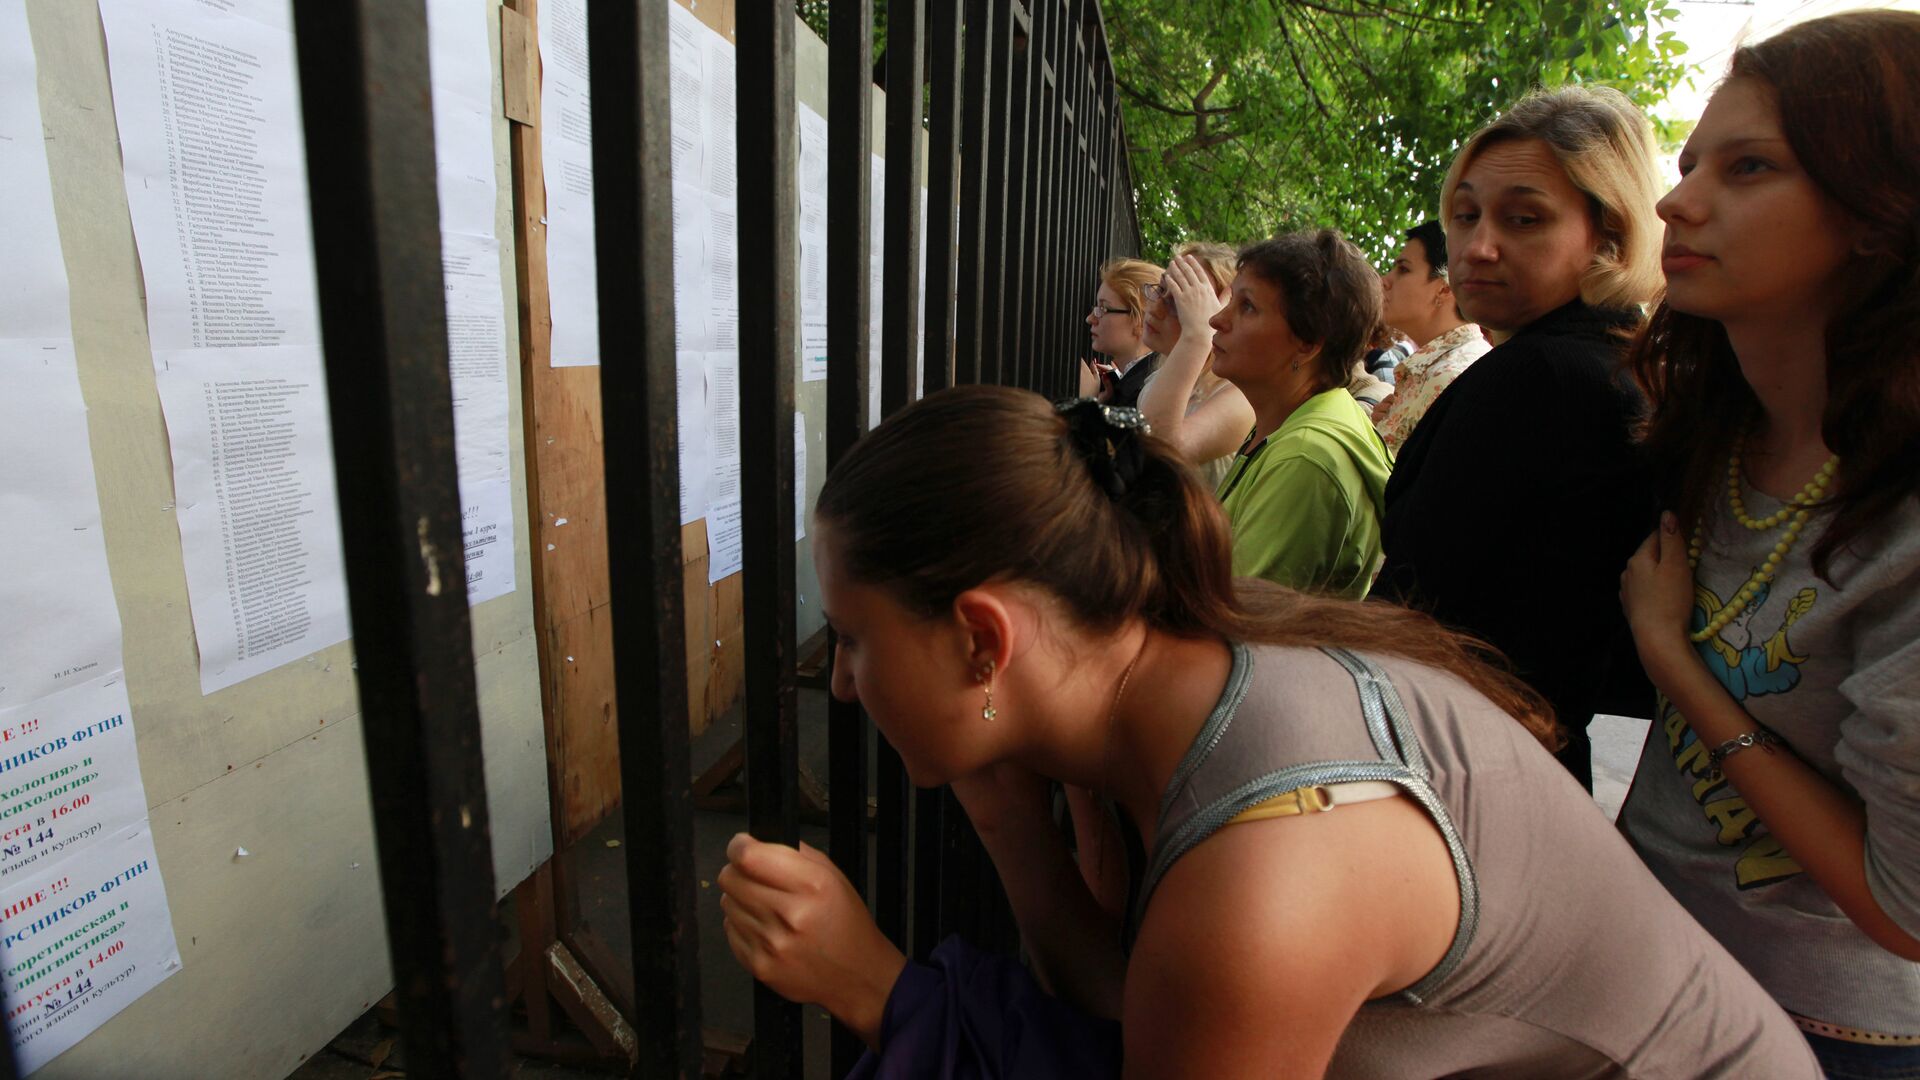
<point x="1015" y="243"/>
<point x="899" y="341"/>
<point x="976" y="141"/>
<point x="768" y="160"/>
<point x="1000" y="177"/>
<point x="1040" y="124"/>
<point x="367" y="112"/>
<point x="900" y="315"/>
<point x="943" y="154"/>
<point x="1054" y="301"/>
<point x="1090" y="238"/>
<point x="849" y="304"/>
<point x="633" y="249"/>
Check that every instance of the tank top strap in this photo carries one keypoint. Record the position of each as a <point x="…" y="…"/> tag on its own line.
<point x="1401" y="763"/>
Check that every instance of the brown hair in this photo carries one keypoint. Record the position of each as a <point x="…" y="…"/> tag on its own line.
<point x="1126" y="277"/>
<point x="1331" y="292"/>
<point x="1219" y="260"/>
<point x="921" y="507"/>
<point x="1848" y="90"/>
<point x="1605" y="145"/>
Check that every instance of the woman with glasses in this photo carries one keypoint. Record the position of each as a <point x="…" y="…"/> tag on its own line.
<point x="1202" y="415"/>
<point x="1304" y="492"/>
<point x="1114" y="325"/>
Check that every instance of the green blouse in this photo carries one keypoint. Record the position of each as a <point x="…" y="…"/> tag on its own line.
<point x="1306" y="501"/>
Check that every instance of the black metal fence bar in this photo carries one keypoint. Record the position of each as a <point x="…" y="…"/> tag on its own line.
<point x="849" y="305"/>
<point x="1055" y="328"/>
<point x="633" y="250"/>
<point x="942" y="29"/>
<point x="1041" y="109"/>
<point x="977" y="110"/>
<point x="999" y="178"/>
<point x="1015" y="244"/>
<point x="943" y="160"/>
<point x="370" y="162"/>
<point x="768" y="161"/>
<point x="1083" y="261"/>
<point x="899" y="343"/>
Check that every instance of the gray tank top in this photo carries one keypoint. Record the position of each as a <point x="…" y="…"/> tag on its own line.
<point x="1569" y="960"/>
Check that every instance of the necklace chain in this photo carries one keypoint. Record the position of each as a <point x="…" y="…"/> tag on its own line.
<point x="1794" y="512"/>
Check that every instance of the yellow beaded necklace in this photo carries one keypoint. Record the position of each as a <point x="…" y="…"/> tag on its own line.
<point x="1797" y="508"/>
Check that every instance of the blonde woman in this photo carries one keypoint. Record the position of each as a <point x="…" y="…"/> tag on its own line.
<point x="1204" y="416"/>
<point x="1114" y="326"/>
<point x="1518" y="498"/>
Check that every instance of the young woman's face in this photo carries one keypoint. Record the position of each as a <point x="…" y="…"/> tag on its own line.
<point x="1252" y="342"/>
<point x="1161" y="329"/>
<point x="1409" y="291"/>
<point x="1748" y="232"/>
<point x="1115" y="327"/>
<point x="911" y="673"/>
<point x="1519" y="236"/>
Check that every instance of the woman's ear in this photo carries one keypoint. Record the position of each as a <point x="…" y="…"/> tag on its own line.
<point x="986" y="626"/>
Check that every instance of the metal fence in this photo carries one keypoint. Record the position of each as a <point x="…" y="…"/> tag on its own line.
<point x="1028" y="190"/>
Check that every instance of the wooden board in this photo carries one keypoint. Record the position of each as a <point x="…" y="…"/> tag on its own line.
<point x="566" y="492"/>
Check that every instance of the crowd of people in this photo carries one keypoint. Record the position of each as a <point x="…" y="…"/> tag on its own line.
<point x="1300" y="603"/>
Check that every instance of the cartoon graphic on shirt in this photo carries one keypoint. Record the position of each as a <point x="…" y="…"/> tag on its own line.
<point x="1748" y="666"/>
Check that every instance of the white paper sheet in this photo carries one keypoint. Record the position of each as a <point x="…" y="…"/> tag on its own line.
<point x="82" y="939"/>
<point x="255" y="501"/>
<point x="799" y="476"/>
<point x="208" y="109"/>
<point x="813" y="245"/>
<point x="69" y="777"/>
<point x="723" y="498"/>
<point x="696" y="439"/>
<point x="462" y="64"/>
<point x="706" y="282"/>
<point x="73" y="810"/>
<point x="566" y="157"/>
<point x="206" y="98"/>
<point x="61" y="624"/>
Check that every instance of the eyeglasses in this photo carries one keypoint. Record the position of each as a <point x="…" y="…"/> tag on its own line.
<point x="1157" y="294"/>
<point x="1102" y="310"/>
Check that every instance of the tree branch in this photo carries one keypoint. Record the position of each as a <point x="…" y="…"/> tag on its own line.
<point x="1195" y="144"/>
<point x="1160" y="106"/>
<point x="1301" y="70"/>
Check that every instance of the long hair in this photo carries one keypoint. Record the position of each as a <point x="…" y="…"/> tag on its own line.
<point x="984" y="483"/>
<point x="1605" y="145"/>
<point x="1848" y="90"/>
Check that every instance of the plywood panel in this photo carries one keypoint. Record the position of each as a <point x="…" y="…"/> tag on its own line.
<point x="568" y="500"/>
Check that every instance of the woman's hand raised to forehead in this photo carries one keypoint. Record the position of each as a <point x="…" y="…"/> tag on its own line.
<point x="1194" y="298"/>
<point x="795" y="923"/>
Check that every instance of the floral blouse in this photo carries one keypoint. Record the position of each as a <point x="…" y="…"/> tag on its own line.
<point x="1421" y="377"/>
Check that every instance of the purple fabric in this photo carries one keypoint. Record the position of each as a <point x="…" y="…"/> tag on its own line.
<point x="966" y="1015"/>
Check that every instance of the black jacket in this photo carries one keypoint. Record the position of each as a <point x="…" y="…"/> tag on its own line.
<point x="1516" y="503"/>
<point x="1127" y="391"/>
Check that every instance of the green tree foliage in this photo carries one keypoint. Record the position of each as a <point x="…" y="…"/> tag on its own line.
<point x="1246" y="117"/>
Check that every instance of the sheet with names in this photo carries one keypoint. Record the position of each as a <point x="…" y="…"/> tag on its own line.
<point x="206" y="97"/>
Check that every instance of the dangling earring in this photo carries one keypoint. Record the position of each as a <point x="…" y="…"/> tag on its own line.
<point x="985" y="678"/>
